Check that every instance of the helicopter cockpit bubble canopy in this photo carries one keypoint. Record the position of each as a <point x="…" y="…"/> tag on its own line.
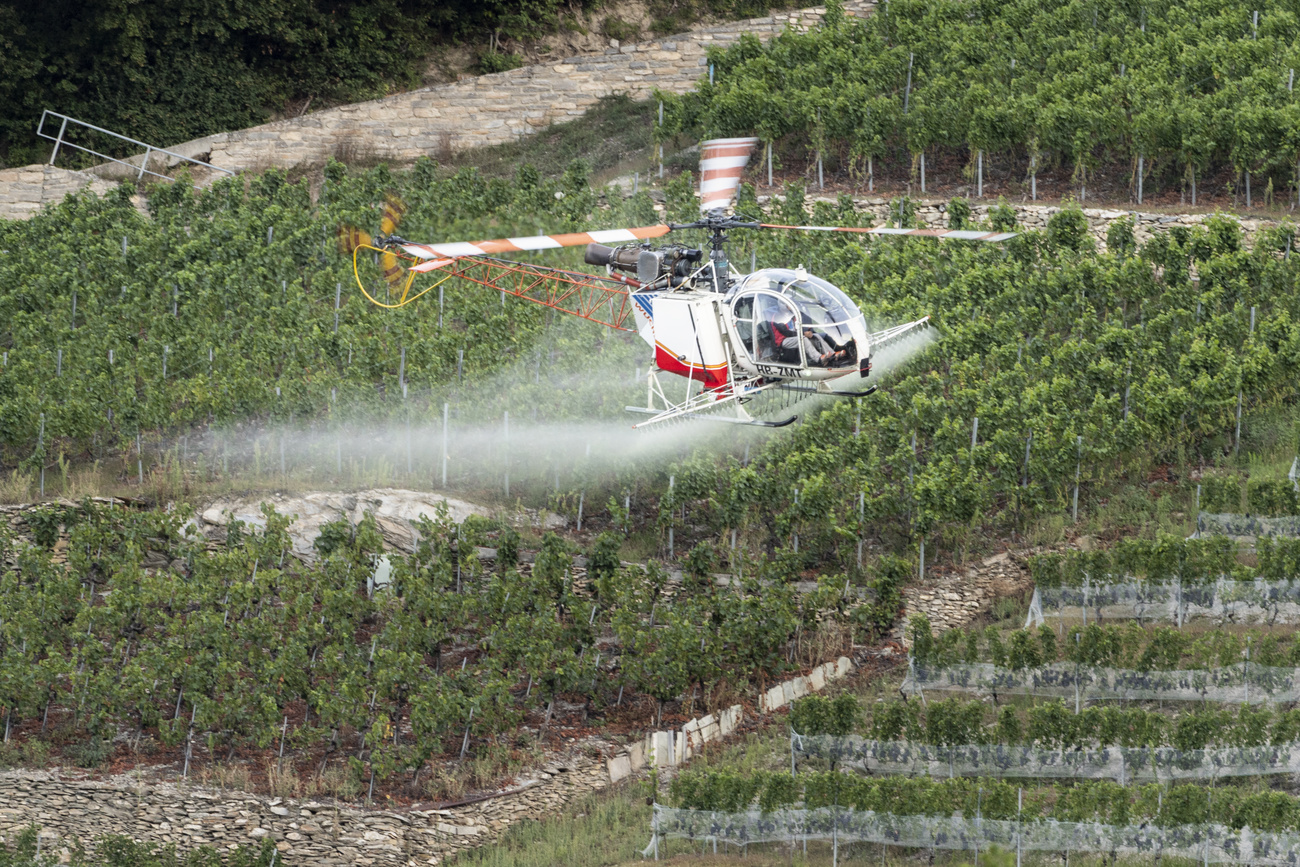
<point x="769" y="303"/>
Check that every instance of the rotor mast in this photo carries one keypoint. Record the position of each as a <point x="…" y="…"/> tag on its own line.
<point x="716" y="223"/>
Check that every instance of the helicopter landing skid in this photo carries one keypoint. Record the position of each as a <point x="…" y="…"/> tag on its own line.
<point x="707" y="405"/>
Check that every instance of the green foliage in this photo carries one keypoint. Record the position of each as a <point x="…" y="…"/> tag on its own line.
<point x="498" y="61"/>
<point x="1063" y="97"/>
<point x="959" y="213"/>
<point x="174" y="72"/>
<point x="603" y="560"/>
<point x="334" y="535"/>
<point x="508" y="548"/>
<point x="118" y="851"/>
<point x="1002" y="217"/>
<point x="1067" y="229"/>
<point x="45" y="524"/>
<point x="1100" y="801"/>
<point x="247" y="632"/>
<point x="1120" y="238"/>
<point x="818" y="715"/>
<point x="1162" y="560"/>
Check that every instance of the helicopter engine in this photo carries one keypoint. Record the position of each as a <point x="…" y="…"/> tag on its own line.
<point x="664" y="267"/>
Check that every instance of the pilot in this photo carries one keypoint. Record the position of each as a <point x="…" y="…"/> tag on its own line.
<point x="815" y="346"/>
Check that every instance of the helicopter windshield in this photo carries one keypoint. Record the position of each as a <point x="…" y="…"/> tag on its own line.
<point x="779" y="296"/>
<point x="819" y="302"/>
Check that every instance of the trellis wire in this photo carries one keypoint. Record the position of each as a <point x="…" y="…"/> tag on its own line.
<point x="1205" y="842"/>
<point x="1122" y="764"/>
<point x="1240" y="683"/>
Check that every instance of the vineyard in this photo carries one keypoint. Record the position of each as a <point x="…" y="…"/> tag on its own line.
<point x="1191" y="757"/>
<point x="224" y="315"/>
<point x="1164" y="94"/>
<point x="242" y="650"/>
<point x="213" y="341"/>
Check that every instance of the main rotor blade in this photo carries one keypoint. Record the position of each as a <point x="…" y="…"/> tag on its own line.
<point x="947" y="234"/>
<point x="722" y="160"/>
<point x="455" y="250"/>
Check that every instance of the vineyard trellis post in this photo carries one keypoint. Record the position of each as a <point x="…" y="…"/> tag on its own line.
<point x="661" y="144"/>
<point x="862" y="496"/>
<point x="1078" y="469"/>
<point x="40" y="453"/>
<point x="1020" y="805"/>
<point x="445" y="409"/>
<point x="795" y="535"/>
<point x="907" y="94"/>
<point x="671" y="481"/>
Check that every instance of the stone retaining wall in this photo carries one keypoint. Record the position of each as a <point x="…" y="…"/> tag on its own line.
<point x="953" y="601"/>
<point x="26" y="190"/>
<point x="934" y="213"/>
<point x="488" y="109"/>
<point x="305" y="832"/>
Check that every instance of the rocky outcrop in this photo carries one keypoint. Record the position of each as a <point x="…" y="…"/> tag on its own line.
<point x="395" y="511"/>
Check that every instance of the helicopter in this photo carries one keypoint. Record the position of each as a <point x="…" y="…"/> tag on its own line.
<point x="734" y="335"/>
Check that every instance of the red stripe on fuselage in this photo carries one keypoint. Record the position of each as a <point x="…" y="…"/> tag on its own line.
<point x="712" y="378"/>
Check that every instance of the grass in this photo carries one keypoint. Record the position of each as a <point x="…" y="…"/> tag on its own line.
<point x="593" y="831"/>
<point x="613" y="137"/>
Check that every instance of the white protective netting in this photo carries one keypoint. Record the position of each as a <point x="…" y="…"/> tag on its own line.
<point x="1257" y="601"/>
<point x="1122" y="764"/>
<point x="1207" y="843"/>
<point x="1247" y="526"/>
<point x="1242" y="683"/>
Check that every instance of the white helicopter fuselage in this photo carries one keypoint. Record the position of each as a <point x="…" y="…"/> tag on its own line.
<point x="774" y="324"/>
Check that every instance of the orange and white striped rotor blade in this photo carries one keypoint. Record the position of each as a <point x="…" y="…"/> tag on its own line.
<point x="439" y="254"/>
<point x="722" y="161"/>
<point x="946" y="234"/>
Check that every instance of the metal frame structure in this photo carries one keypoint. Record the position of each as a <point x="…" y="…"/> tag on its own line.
<point x="733" y="393"/>
<point x="599" y="299"/>
<point x="149" y="150"/>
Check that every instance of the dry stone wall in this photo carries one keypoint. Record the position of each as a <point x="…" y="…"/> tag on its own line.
<point x="934" y="214"/>
<point x="305" y="832"/>
<point x="953" y="601"/>
<point x="488" y="109"/>
<point x="24" y="191"/>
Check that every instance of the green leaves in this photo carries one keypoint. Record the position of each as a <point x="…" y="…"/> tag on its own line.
<point x="818" y="715"/>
